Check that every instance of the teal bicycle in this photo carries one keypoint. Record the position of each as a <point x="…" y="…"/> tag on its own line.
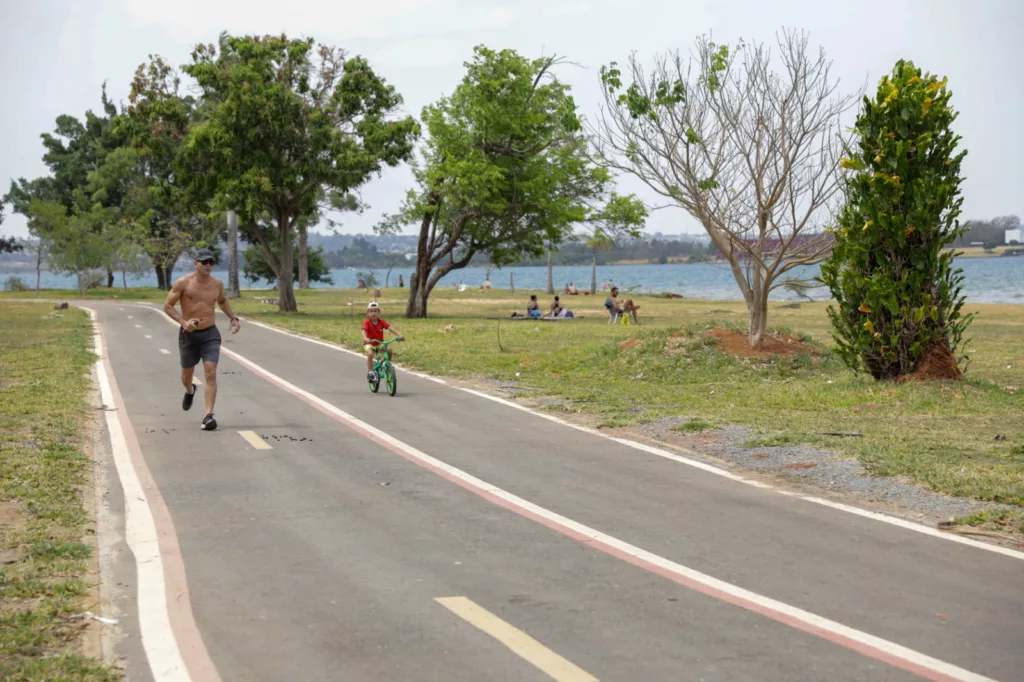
<point x="382" y="367"/>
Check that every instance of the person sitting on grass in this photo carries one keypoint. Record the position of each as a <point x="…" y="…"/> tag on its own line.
<point x="373" y="335"/>
<point x="627" y="308"/>
<point x="558" y="312"/>
<point x="533" y="308"/>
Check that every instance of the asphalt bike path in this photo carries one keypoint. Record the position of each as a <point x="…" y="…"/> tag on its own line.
<point x="330" y="552"/>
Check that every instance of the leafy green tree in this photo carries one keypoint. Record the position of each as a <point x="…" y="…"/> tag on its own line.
<point x="256" y="267"/>
<point x="288" y="126"/>
<point x="157" y="121"/>
<point x="504" y="172"/>
<point x="897" y="291"/>
<point x="75" y="152"/>
<point x="77" y="248"/>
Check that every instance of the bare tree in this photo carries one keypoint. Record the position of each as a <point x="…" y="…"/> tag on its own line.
<point x="751" y="153"/>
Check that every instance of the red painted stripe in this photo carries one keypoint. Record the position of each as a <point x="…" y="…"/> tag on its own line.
<point x="179" y="607"/>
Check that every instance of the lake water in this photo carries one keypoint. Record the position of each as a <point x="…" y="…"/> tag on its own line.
<point x="987" y="280"/>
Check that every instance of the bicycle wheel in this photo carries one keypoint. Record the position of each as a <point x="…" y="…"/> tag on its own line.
<point x="391" y="379"/>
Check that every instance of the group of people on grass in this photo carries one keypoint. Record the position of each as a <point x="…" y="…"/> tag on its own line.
<point x="557" y="311"/>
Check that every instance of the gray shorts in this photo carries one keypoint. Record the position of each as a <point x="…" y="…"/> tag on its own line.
<point x="202" y="344"/>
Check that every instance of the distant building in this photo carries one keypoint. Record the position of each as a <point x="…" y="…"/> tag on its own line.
<point x="1014" y="236"/>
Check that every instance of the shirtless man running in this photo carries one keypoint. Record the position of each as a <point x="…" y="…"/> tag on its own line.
<point x="198" y="337"/>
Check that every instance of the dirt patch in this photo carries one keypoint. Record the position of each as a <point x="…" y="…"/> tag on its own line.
<point x="631" y="343"/>
<point x="938" y="364"/>
<point x="735" y="343"/>
<point x="10" y="512"/>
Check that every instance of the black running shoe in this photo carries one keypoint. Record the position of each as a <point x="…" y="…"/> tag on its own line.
<point x="186" y="402"/>
<point x="209" y="423"/>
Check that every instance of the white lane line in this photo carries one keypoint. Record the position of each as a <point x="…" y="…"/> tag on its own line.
<point x="196" y="380"/>
<point x="148" y="336"/>
<point x="254" y="440"/>
<point x="856" y="640"/>
<point x="158" y="639"/>
<point x="138" y="326"/>
<point x="130" y="317"/>
<point x="165" y="351"/>
<point x="697" y="464"/>
<point x="710" y="468"/>
<point x="519" y="642"/>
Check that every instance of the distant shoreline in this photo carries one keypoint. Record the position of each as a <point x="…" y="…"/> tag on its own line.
<point x="965" y="252"/>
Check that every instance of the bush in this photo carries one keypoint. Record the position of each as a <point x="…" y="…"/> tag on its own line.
<point x="897" y="291"/>
<point x="15" y="283"/>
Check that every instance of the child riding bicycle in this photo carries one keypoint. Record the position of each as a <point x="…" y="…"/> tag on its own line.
<point x="373" y="334"/>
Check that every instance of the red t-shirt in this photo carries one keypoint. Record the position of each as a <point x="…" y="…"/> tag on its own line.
<point x="375" y="332"/>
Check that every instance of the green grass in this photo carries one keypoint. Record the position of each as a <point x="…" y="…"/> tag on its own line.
<point x="98" y="294"/>
<point x="44" y="360"/>
<point x="695" y="426"/>
<point x="999" y="520"/>
<point x="942" y="436"/>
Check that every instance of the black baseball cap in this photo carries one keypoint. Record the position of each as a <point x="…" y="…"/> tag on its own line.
<point x="205" y="254"/>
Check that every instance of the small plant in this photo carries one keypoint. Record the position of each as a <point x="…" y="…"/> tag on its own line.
<point x="695" y="425"/>
<point x="15" y="283"/>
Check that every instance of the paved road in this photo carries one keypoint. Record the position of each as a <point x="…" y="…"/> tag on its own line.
<point x="324" y="557"/>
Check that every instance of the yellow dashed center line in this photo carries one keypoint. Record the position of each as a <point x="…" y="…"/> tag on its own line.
<point x="518" y="641"/>
<point x="254" y="440"/>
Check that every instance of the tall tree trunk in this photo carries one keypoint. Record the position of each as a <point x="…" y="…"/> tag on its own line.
<point x="169" y="274"/>
<point x="160" y="280"/>
<point x="110" y="279"/>
<point x="758" y="315"/>
<point x="387" y="277"/>
<point x="551" y="280"/>
<point x="418" y="282"/>
<point x="418" y="294"/>
<point x="39" y="265"/>
<point x="233" y="288"/>
<point x="593" y="276"/>
<point x="417" y="305"/>
<point x="303" y="256"/>
<point x="124" y="280"/>
<point x="285" y="291"/>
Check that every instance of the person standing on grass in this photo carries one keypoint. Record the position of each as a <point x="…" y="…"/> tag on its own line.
<point x="198" y="336"/>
